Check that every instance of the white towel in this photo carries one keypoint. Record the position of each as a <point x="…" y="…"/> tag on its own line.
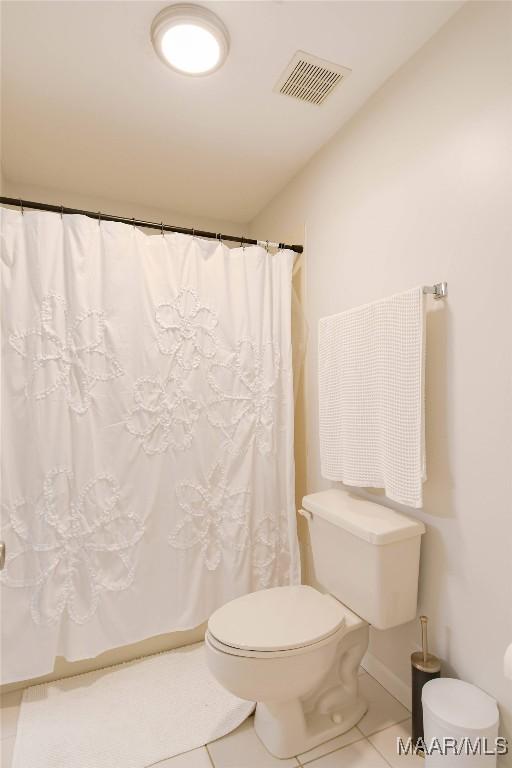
<point x="371" y="396"/>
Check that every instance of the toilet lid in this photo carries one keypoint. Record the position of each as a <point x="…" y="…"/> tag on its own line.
<point x="277" y="619"/>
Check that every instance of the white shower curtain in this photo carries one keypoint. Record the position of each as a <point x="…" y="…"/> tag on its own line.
<point x="147" y="417"/>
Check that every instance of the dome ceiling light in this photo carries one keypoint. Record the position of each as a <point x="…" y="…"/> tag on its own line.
<point x="190" y="39"/>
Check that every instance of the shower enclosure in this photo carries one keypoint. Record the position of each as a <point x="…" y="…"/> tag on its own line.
<point x="147" y="459"/>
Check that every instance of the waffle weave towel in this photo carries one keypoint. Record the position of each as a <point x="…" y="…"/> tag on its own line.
<point x="371" y="396"/>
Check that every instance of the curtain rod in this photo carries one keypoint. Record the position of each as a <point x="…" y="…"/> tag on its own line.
<point x="147" y="224"/>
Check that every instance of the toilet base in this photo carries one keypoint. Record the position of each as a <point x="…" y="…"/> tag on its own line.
<point x="289" y="733"/>
<point x="291" y="727"/>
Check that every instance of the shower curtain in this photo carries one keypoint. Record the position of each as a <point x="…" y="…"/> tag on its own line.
<point x="147" y="432"/>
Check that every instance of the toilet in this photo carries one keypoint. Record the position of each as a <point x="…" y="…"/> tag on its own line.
<point x="296" y="650"/>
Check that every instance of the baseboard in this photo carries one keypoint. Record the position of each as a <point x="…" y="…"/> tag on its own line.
<point x="388" y="679"/>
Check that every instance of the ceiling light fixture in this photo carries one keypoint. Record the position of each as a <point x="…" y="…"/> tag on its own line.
<point x="190" y="39"/>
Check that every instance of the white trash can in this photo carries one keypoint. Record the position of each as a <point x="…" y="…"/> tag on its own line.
<point x="460" y="724"/>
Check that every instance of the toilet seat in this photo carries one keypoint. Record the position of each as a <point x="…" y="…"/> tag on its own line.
<point x="229" y="650"/>
<point x="276" y="621"/>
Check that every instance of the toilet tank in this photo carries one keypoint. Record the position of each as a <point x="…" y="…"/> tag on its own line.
<point x="366" y="555"/>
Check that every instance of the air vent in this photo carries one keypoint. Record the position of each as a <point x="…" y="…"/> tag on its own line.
<point x="309" y="78"/>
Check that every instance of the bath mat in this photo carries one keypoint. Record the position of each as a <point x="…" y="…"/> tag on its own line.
<point x="128" y="716"/>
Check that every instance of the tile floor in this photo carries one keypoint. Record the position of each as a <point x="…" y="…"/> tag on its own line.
<point x="372" y="744"/>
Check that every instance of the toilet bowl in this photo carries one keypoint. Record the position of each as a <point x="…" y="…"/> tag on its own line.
<point x="302" y="668"/>
<point x="296" y="650"/>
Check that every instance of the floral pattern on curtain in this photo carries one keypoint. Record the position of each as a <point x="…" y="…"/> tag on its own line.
<point x="147" y="459"/>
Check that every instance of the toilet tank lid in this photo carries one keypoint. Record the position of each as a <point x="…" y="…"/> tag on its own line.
<point x="362" y="518"/>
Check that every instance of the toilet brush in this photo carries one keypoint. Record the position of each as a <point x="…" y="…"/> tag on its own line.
<point x="424" y="667"/>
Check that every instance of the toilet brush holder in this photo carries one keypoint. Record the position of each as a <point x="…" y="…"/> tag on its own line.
<point x="424" y="667"/>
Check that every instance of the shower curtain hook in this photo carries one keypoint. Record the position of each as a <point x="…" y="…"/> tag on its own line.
<point x="61" y="211"/>
<point x="162" y="228"/>
<point x="266" y="247"/>
<point x="99" y="218"/>
<point x="242" y="240"/>
<point x="133" y="222"/>
<point x="22" y="209"/>
<point x="193" y="234"/>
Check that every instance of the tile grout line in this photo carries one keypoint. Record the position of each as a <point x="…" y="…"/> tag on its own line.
<point x="363" y="737"/>
<point x="389" y="725"/>
<point x="163" y="760"/>
<point x="178" y="754"/>
<point x="209" y="756"/>
<point x="379" y="752"/>
<point x="338" y="749"/>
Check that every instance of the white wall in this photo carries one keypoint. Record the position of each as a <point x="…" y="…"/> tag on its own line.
<point x="416" y="189"/>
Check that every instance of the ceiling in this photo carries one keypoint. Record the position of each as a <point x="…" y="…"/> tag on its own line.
<point x="87" y="105"/>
